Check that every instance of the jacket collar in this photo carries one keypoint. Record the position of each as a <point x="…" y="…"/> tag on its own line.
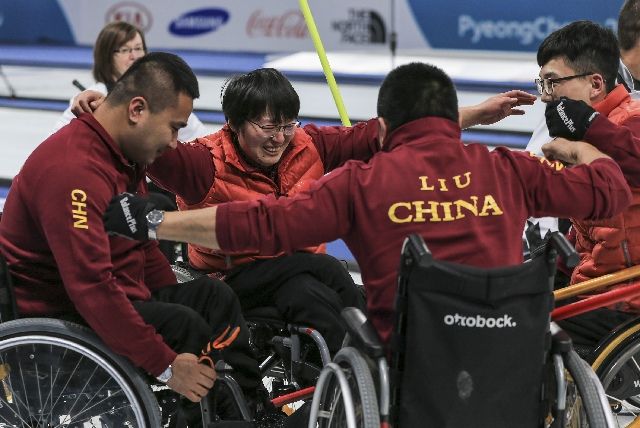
<point x="92" y="123"/>
<point x="424" y="129"/>
<point x="612" y="100"/>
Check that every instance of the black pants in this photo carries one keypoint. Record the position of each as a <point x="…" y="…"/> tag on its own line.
<point x="587" y="329"/>
<point x="308" y="289"/>
<point x="189" y="315"/>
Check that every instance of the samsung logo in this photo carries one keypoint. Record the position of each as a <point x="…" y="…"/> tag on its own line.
<point x="198" y="22"/>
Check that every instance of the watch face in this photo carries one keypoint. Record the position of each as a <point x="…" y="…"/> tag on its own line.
<point x="155" y="217"/>
<point x="165" y="375"/>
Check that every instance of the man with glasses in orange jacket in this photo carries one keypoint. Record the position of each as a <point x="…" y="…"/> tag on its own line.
<point x="579" y="65"/>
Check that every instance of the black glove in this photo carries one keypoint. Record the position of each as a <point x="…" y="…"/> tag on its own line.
<point x="126" y="216"/>
<point x="568" y="118"/>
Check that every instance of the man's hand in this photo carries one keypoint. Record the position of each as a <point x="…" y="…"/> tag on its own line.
<point x="495" y="108"/>
<point x="190" y="378"/>
<point x="86" y="102"/>
<point x="571" y="152"/>
<point x="569" y="118"/>
<point x="126" y="216"/>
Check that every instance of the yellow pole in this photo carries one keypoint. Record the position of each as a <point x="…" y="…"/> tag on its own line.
<point x="317" y="42"/>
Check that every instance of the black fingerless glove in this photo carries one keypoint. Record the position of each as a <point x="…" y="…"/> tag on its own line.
<point x="126" y="216"/>
<point x="568" y="118"/>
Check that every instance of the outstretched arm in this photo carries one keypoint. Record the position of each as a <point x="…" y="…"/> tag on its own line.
<point x="126" y="216"/>
<point x="495" y="108"/>
<point x="193" y="226"/>
<point x="571" y="152"/>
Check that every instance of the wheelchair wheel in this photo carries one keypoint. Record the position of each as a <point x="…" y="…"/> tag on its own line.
<point x="58" y="374"/>
<point x="618" y="367"/>
<point x="584" y="405"/>
<point x="361" y="395"/>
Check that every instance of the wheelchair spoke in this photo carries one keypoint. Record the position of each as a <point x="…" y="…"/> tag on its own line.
<point x="80" y="394"/>
<point x="66" y="385"/>
<point x="104" y="400"/>
<point x="76" y="420"/>
<point x="89" y="399"/>
<point x="62" y="376"/>
<point x="635" y="363"/>
<point x="625" y="413"/>
<point x="8" y="406"/>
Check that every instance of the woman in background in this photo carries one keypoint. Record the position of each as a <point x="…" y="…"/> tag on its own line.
<point x="118" y="45"/>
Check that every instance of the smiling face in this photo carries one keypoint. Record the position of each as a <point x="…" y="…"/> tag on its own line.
<point x="258" y="145"/>
<point x="126" y="54"/>
<point x="153" y="133"/>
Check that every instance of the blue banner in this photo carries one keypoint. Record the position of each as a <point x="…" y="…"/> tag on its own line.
<point x="35" y="22"/>
<point x="504" y="25"/>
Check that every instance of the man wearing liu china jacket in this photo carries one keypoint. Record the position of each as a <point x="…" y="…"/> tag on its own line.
<point x="468" y="203"/>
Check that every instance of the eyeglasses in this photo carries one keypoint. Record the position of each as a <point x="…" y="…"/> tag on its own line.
<point x="127" y="51"/>
<point x="547" y="85"/>
<point x="271" y="130"/>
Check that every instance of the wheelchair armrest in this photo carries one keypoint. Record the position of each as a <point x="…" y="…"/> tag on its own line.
<point x="362" y="332"/>
<point x="560" y="341"/>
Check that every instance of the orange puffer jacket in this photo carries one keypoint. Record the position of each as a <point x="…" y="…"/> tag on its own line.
<point x="612" y="244"/>
<point x="299" y="166"/>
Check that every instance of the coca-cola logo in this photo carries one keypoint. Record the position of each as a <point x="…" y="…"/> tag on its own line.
<point x="131" y="12"/>
<point x="289" y="25"/>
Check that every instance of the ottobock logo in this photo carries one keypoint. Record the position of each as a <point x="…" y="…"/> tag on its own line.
<point x="199" y="22"/>
<point x="361" y="27"/>
<point x="478" y="321"/>
<point x="131" y="12"/>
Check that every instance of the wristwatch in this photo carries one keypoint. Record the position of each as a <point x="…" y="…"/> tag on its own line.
<point x="165" y="375"/>
<point x="154" y="218"/>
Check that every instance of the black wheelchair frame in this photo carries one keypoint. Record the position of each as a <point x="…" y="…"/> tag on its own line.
<point x="566" y="389"/>
<point x="282" y="349"/>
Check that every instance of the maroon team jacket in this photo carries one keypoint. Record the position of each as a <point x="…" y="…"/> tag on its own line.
<point x="62" y="260"/>
<point x="468" y="203"/>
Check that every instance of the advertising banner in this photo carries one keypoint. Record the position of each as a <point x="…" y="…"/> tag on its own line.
<point x="503" y="25"/>
<point x="220" y="25"/>
<point x="278" y="25"/>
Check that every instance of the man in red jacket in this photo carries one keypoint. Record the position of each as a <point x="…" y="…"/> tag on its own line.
<point x="578" y="64"/>
<point x="467" y="202"/>
<point x="64" y="263"/>
<point x="262" y="151"/>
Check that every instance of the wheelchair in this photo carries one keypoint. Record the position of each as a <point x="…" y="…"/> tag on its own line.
<point x="471" y="348"/>
<point x="290" y="356"/>
<point x="55" y="373"/>
<point x="615" y="359"/>
<point x="616" y="362"/>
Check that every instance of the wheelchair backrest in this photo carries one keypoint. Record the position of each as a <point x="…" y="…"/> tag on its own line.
<point x="469" y="344"/>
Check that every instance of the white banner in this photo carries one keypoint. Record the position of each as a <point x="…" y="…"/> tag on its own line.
<point x="246" y="26"/>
